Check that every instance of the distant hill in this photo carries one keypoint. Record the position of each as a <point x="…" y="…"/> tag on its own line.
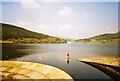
<point x="110" y="39"/>
<point x="21" y="35"/>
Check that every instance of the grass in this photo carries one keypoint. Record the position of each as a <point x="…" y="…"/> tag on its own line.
<point x="100" y="42"/>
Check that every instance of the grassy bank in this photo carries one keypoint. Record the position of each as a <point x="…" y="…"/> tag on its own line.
<point x="100" y="42"/>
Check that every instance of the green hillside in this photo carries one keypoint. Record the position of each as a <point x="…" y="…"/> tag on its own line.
<point x="21" y="35"/>
<point x="109" y="39"/>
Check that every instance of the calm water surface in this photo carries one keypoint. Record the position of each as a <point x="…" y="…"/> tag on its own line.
<point x="56" y="54"/>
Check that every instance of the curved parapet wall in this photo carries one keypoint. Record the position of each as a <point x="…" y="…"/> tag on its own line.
<point x="32" y="71"/>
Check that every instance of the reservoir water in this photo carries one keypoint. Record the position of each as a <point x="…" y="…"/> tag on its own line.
<point x="56" y="54"/>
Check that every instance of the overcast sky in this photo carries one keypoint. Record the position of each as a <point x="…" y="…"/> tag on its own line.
<point x="73" y="20"/>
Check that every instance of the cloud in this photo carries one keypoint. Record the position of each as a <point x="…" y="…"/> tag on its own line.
<point x="49" y="30"/>
<point x="23" y="24"/>
<point x="65" y="27"/>
<point x="107" y="27"/>
<point x="62" y="30"/>
<point x="27" y="25"/>
<point x="50" y="0"/>
<point x="85" y="15"/>
<point x="42" y="26"/>
<point x="65" y="11"/>
<point x="29" y="4"/>
<point x="35" y="27"/>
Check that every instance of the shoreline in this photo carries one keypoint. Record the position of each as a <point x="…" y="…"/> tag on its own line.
<point x="117" y="44"/>
<point x="1" y="41"/>
<point x="11" y="42"/>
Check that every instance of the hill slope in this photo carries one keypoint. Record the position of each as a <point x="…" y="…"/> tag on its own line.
<point x="110" y="39"/>
<point x="21" y="35"/>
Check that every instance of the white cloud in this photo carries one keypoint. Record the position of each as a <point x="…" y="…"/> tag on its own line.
<point x="42" y="26"/>
<point x="65" y="27"/>
<point x="62" y="30"/>
<point x="23" y="24"/>
<point x="85" y="15"/>
<point x="27" y="25"/>
<point x="50" y="0"/>
<point x="35" y="27"/>
<point x="108" y="27"/>
<point x="65" y="11"/>
<point x="29" y="4"/>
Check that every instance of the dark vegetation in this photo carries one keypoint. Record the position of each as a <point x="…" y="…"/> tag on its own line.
<point x="21" y="35"/>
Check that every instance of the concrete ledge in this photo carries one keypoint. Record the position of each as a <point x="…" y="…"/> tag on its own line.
<point x="30" y="70"/>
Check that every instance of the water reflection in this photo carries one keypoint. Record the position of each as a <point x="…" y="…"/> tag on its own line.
<point x="68" y="60"/>
<point x="10" y="51"/>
